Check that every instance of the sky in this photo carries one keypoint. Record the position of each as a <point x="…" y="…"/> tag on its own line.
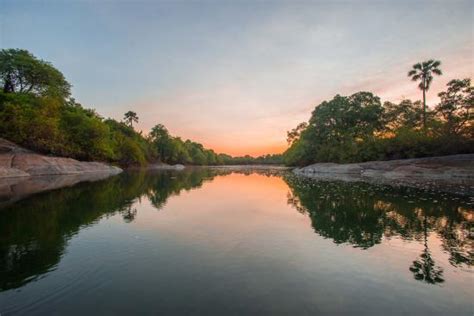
<point x="236" y="75"/>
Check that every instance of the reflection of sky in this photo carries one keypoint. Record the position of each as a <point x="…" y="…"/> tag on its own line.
<point x="239" y="222"/>
<point x="237" y="76"/>
<point x="235" y="246"/>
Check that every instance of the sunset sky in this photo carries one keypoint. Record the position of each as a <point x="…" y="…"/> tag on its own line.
<point x="237" y="75"/>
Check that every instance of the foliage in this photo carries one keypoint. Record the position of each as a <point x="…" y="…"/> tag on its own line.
<point x="36" y="112"/>
<point x="424" y="72"/>
<point x="295" y="133"/>
<point x="130" y="117"/>
<point x="357" y="128"/>
<point x="456" y="106"/>
<point x="22" y="72"/>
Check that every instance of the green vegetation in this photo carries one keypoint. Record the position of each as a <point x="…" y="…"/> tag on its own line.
<point x="36" y="111"/>
<point x="359" y="128"/>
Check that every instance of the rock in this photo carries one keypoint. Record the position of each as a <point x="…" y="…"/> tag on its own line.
<point x="16" y="188"/>
<point x="452" y="172"/>
<point x="16" y="161"/>
<point x="12" y="173"/>
<point x="164" y="166"/>
<point x="333" y="168"/>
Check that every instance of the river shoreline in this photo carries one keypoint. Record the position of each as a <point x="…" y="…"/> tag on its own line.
<point x="18" y="162"/>
<point x="453" y="173"/>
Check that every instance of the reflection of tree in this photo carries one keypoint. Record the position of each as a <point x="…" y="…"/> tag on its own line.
<point x="34" y="232"/>
<point x="129" y="213"/>
<point x="361" y="215"/>
<point x="424" y="269"/>
<point x="164" y="184"/>
<point x="459" y="242"/>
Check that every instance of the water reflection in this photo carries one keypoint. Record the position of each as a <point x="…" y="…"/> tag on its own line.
<point x="34" y="232"/>
<point x="362" y="215"/>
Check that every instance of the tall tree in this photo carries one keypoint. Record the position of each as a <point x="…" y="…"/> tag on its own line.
<point x="22" y="72"/>
<point x="423" y="72"/>
<point x="130" y="117"/>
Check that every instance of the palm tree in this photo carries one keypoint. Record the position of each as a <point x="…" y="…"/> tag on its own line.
<point x="130" y="117"/>
<point x="424" y="73"/>
<point x="425" y="268"/>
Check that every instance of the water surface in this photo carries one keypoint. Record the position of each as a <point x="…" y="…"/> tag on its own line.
<point x="214" y="242"/>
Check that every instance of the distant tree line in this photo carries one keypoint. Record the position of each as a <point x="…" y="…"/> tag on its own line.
<point x="359" y="127"/>
<point x="36" y="111"/>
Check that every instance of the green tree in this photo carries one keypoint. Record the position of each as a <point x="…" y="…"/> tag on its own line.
<point x="456" y="106"/>
<point x="337" y="128"/>
<point x="130" y="117"/>
<point x="161" y="140"/>
<point x="423" y="72"/>
<point x="22" y="72"/>
<point x="406" y="114"/>
<point x="294" y="134"/>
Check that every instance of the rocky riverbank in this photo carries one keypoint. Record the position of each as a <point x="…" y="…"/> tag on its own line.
<point x="16" y="161"/>
<point x="448" y="173"/>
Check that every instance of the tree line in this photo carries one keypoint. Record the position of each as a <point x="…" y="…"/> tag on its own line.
<point x="360" y="128"/>
<point x="38" y="112"/>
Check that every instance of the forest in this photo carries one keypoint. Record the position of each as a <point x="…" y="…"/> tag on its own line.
<point x="359" y="127"/>
<point x="38" y="112"/>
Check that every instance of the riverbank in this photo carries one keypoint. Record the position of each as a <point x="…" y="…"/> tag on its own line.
<point x="16" y="161"/>
<point x="447" y="173"/>
<point x="252" y="167"/>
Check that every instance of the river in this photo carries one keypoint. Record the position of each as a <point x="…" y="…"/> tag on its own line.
<point x="229" y="242"/>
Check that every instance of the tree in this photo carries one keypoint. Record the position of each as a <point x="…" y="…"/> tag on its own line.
<point x="336" y="130"/>
<point x="294" y="134"/>
<point x="22" y="72"/>
<point x="347" y="118"/>
<point x="161" y="139"/>
<point x="406" y="114"/>
<point x="130" y="117"/>
<point x="423" y="72"/>
<point x="456" y="106"/>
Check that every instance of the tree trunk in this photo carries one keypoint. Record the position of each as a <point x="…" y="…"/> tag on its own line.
<point x="424" y="105"/>
<point x="8" y="85"/>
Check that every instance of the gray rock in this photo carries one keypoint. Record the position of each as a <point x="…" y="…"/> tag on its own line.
<point x="451" y="172"/>
<point x="16" y="161"/>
